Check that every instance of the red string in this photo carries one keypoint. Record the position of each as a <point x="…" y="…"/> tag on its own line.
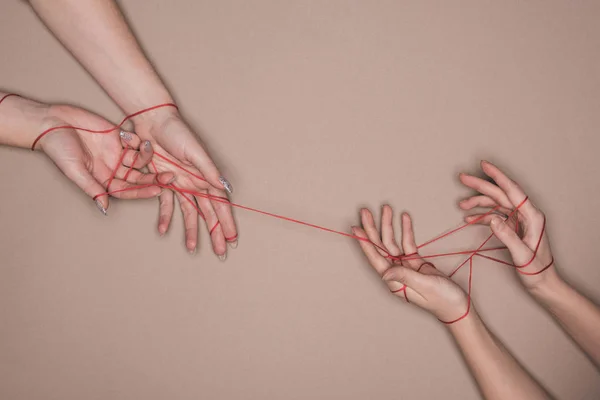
<point x="103" y="131"/>
<point x="8" y="95"/>
<point x="185" y="192"/>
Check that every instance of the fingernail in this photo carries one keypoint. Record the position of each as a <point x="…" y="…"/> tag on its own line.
<point x="497" y="223"/>
<point x="100" y="207"/>
<point x="222" y="257"/>
<point x="147" y="145"/>
<point x="192" y="250"/>
<point x="226" y="185"/>
<point x="126" y="136"/>
<point x="234" y="244"/>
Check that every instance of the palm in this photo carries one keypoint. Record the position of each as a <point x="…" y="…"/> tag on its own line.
<point x="504" y="196"/>
<point x="432" y="290"/>
<point x="196" y="185"/>
<point x="98" y="153"/>
<point x="90" y="160"/>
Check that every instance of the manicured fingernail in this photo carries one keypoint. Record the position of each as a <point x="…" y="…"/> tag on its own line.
<point x="222" y="257"/>
<point x="126" y="136"/>
<point x="100" y="207"/>
<point x="192" y="250"/>
<point x="226" y="185"/>
<point x="147" y="145"/>
<point x="234" y="244"/>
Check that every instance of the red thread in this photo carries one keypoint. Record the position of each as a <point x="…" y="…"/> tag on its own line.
<point x="102" y="131"/>
<point x="185" y="192"/>
<point x="214" y="227"/>
<point x="137" y="154"/>
<point x="8" y="95"/>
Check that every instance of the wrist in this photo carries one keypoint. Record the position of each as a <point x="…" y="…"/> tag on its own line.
<point x="54" y="117"/>
<point x="549" y="288"/>
<point x="153" y="120"/>
<point x="21" y="121"/>
<point x="467" y="324"/>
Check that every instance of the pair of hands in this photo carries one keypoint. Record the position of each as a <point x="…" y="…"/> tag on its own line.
<point x="416" y="281"/>
<point x="89" y="160"/>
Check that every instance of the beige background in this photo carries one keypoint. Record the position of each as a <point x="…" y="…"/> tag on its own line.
<point x="313" y="109"/>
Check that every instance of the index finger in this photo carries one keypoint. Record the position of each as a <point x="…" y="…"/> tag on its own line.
<point x="377" y="261"/>
<point x="512" y="189"/>
<point x="409" y="246"/>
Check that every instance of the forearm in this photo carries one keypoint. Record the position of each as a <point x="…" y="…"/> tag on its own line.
<point x="578" y="316"/>
<point x="496" y="371"/>
<point x="21" y="120"/>
<point x="97" y="35"/>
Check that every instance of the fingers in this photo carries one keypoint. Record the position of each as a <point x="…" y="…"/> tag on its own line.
<point x="165" y="211"/>
<point x="377" y="261"/>
<point x="519" y="251"/>
<point x="408" y="243"/>
<point x="387" y="231"/>
<point x="486" y="219"/>
<point x="214" y="227"/>
<point x="368" y="224"/>
<point x="134" y="176"/>
<point x="84" y="179"/>
<point x="483" y="202"/>
<point x="408" y="277"/>
<point x="129" y="139"/>
<point x="488" y="189"/>
<point x="225" y="215"/>
<point x="202" y="161"/>
<point x="511" y="188"/>
<point x="129" y="191"/>
<point x="190" y="220"/>
<point x="141" y="158"/>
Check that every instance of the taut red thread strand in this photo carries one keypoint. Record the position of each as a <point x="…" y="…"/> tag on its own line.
<point x="185" y="192"/>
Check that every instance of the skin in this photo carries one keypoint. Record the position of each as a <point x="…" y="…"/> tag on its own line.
<point x="86" y="159"/>
<point x="97" y="35"/>
<point x="576" y="314"/>
<point x="496" y="371"/>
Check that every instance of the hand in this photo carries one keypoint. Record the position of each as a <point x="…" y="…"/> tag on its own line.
<point x="174" y="142"/>
<point x="407" y="275"/>
<point x="521" y="230"/>
<point x="89" y="159"/>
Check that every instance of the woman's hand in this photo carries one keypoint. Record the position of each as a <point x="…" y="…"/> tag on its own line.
<point x="412" y="279"/>
<point x="89" y="159"/>
<point x="522" y="230"/>
<point x="96" y="33"/>
<point x="174" y="142"/>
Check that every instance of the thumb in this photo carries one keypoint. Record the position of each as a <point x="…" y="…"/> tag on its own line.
<point x="518" y="250"/>
<point x="86" y="182"/>
<point x="407" y="276"/>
